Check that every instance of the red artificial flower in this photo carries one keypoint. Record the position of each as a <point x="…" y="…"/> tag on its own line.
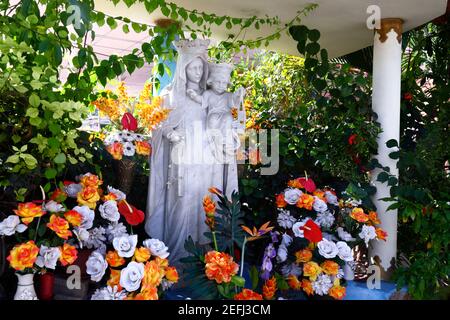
<point x="308" y="184"/>
<point x="408" y="96"/>
<point x="352" y="139"/>
<point x="129" y="122"/>
<point x="67" y="182"/>
<point x="311" y="231"/>
<point x="133" y="215"/>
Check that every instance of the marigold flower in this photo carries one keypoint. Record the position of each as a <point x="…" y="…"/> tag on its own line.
<point x="294" y="283"/>
<point x="116" y="150"/>
<point x="114" y="279"/>
<point x="153" y="274"/>
<point x="28" y="211"/>
<point x="311" y="269"/>
<point x="60" y="226"/>
<point x="330" y="267"/>
<point x="172" y="274"/>
<point x="381" y="234"/>
<point x="147" y="293"/>
<point x="143" y="148"/>
<point x="305" y="201"/>
<point x="307" y="287"/>
<point x="269" y="288"/>
<point x="74" y="217"/>
<point x="114" y="260"/>
<point x="220" y="266"/>
<point x="373" y="217"/>
<point x="359" y="215"/>
<point x="303" y="256"/>
<point x="247" y="294"/>
<point x="23" y="255"/>
<point x="88" y="196"/>
<point x="337" y="292"/>
<point x="69" y="254"/>
<point x="142" y="254"/>
<point x="279" y="199"/>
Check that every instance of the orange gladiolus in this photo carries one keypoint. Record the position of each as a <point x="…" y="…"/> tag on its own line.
<point x="359" y="215"/>
<point x="337" y="292"/>
<point x="74" y="218"/>
<point x="279" y="199"/>
<point x="23" y="256"/>
<point x="60" y="226"/>
<point x="294" y="283"/>
<point x="247" y="294"/>
<point x="381" y="234"/>
<point x="330" y="267"/>
<point x="269" y="288"/>
<point x="114" y="279"/>
<point x="116" y="150"/>
<point x="304" y="255"/>
<point x="220" y="266"/>
<point x="142" y="254"/>
<point x="307" y="287"/>
<point x="153" y="274"/>
<point x="114" y="260"/>
<point x="88" y="196"/>
<point x="172" y="274"/>
<point x="28" y="211"/>
<point x="68" y="254"/>
<point x="311" y="269"/>
<point x="143" y="148"/>
<point x="305" y="201"/>
<point x="373" y="217"/>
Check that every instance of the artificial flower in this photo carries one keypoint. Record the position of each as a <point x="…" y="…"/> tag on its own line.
<point x="11" y="225"/>
<point x="322" y="284"/>
<point x="373" y="217"/>
<point x="247" y="294"/>
<point x="131" y="276"/>
<point x="129" y="122"/>
<point x="331" y="197"/>
<point x="293" y="282"/>
<point x="60" y="226"/>
<point x="325" y="219"/>
<point x="279" y="199"/>
<point x="90" y="180"/>
<point x="305" y="201"/>
<point x="128" y="149"/>
<point x="297" y="228"/>
<point x="269" y="254"/>
<point x="115" y="230"/>
<point x="74" y="218"/>
<point x="72" y="189"/>
<point x="308" y="184"/>
<point x="286" y="239"/>
<point x="109" y="211"/>
<point x="295" y="183"/>
<point x="220" y="266"/>
<point x="88" y="196"/>
<point x="311" y="269"/>
<point x="48" y="257"/>
<point x="87" y="214"/>
<point x="320" y="194"/>
<point x="114" y="260"/>
<point x="311" y="231"/>
<point x="269" y="288"/>
<point x="291" y="268"/>
<point x="132" y="215"/>
<point x="282" y="253"/>
<point x="319" y="205"/>
<point x="303" y="255"/>
<point x="116" y="150"/>
<point x="125" y="245"/>
<point x="109" y="293"/>
<point x="143" y="148"/>
<point x="153" y="274"/>
<point x="307" y="287"/>
<point x="337" y="292"/>
<point x="345" y="252"/>
<point x="330" y="267"/>
<point x="69" y="254"/>
<point x="367" y="233"/>
<point x="147" y="293"/>
<point x="28" y="211"/>
<point x="157" y="248"/>
<point x="381" y="234"/>
<point x="327" y="249"/>
<point x="142" y="254"/>
<point x="172" y="274"/>
<point x="285" y="220"/>
<point x="256" y="234"/>
<point x="23" y="255"/>
<point x="96" y="238"/>
<point x="359" y="215"/>
<point x="53" y="206"/>
<point x="344" y="235"/>
<point x="114" y="279"/>
<point x="119" y="194"/>
<point x="291" y="195"/>
<point x="96" y="266"/>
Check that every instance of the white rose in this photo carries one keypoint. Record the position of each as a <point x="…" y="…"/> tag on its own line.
<point x="327" y="249"/>
<point x="96" y="266"/>
<point x="48" y="257"/>
<point x="125" y="245"/>
<point x="282" y="253"/>
<point x="131" y="276"/>
<point x="82" y="235"/>
<point x="367" y="233"/>
<point x="88" y="216"/>
<point x="72" y="189"/>
<point x="344" y="235"/>
<point x="109" y="211"/>
<point x="319" y="205"/>
<point x="296" y="228"/>
<point x="11" y="225"/>
<point x="331" y="198"/>
<point x="156" y="247"/>
<point x="119" y="194"/>
<point x="292" y="195"/>
<point x="54" y="206"/>
<point x="345" y="252"/>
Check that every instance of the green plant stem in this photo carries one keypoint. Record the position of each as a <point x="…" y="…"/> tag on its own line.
<point x="37" y="228"/>
<point x="243" y="256"/>
<point x="215" y="241"/>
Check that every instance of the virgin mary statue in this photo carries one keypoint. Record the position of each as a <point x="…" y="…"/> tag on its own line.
<point x="181" y="165"/>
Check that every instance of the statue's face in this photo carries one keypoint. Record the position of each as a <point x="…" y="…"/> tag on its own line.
<point x="194" y="70"/>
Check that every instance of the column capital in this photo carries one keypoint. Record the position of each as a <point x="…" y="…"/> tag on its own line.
<point x="390" y="23"/>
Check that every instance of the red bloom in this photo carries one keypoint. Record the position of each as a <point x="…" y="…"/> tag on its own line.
<point x="67" y="182"/>
<point x="408" y="96"/>
<point x="352" y="139"/>
<point x="312" y="231"/>
<point x="133" y="217"/>
<point x="129" y="122"/>
<point x="308" y="184"/>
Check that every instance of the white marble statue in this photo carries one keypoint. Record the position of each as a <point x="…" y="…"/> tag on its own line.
<point x="182" y="164"/>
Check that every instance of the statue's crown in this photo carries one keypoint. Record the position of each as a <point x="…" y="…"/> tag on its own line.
<point x="197" y="46"/>
<point x="220" y="70"/>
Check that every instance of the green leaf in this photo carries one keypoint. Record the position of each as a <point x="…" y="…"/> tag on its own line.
<point x="50" y="173"/>
<point x="111" y="22"/>
<point x="35" y="121"/>
<point x="392" y="143"/>
<point x="32" y="112"/>
<point x="314" y="35"/>
<point x="136" y="27"/>
<point x="239" y="281"/>
<point x="254" y="276"/>
<point x="125" y="28"/>
<point x="13" y="159"/>
<point x="34" y="100"/>
<point x="165" y="10"/>
<point x="382" y="177"/>
<point x="60" y="158"/>
<point x="312" y="48"/>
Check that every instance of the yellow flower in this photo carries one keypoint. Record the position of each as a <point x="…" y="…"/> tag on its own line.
<point x="143" y="148"/>
<point x="88" y="196"/>
<point x="23" y="255"/>
<point x="305" y="201"/>
<point x="311" y="269"/>
<point x="359" y="215"/>
<point x="337" y="292"/>
<point x="142" y="254"/>
<point x="60" y="226"/>
<point x="153" y="274"/>
<point x="114" y="260"/>
<point x="172" y="274"/>
<point x="304" y="255"/>
<point x="330" y="267"/>
<point x="28" y="211"/>
<point x="147" y="293"/>
<point x="68" y="254"/>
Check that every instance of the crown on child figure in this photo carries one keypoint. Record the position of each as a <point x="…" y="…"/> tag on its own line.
<point x="220" y="70"/>
<point x="192" y="47"/>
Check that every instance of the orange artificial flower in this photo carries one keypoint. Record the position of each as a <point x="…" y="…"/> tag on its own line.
<point x="320" y="194"/>
<point x="109" y="196"/>
<point x="142" y="254"/>
<point x="304" y="255"/>
<point x="269" y="288"/>
<point x="23" y="255"/>
<point x="373" y="217"/>
<point x="147" y="293"/>
<point x="114" y="260"/>
<point x="311" y="269"/>
<point x="215" y="191"/>
<point x="58" y="195"/>
<point x="153" y="274"/>
<point x="116" y="150"/>
<point x="247" y="294"/>
<point x="74" y="218"/>
<point x="337" y="292"/>
<point x="114" y="279"/>
<point x="172" y="274"/>
<point x="359" y="215"/>
<point x="28" y="211"/>
<point x="162" y="262"/>
<point x="307" y="287"/>
<point x="143" y="148"/>
<point x="90" y="180"/>
<point x="88" y="196"/>
<point x="330" y="267"/>
<point x="381" y="234"/>
<point x="295" y="183"/>
<point x="305" y="201"/>
<point x="220" y="266"/>
<point x="279" y="199"/>
<point x="256" y="234"/>
<point x="68" y="254"/>
<point x="60" y="226"/>
<point x="209" y="206"/>
<point x="294" y="283"/>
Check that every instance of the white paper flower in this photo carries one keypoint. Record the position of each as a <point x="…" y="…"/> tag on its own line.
<point x="82" y="235"/>
<point x="325" y="219"/>
<point x="111" y="138"/>
<point x="327" y="249"/>
<point x="296" y="228"/>
<point x="367" y="233"/>
<point x="282" y="253"/>
<point x="125" y="245"/>
<point x="344" y="235"/>
<point x="291" y="268"/>
<point x="138" y="137"/>
<point x="119" y="194"/>
<point x="345" y="252"/>
<point x="48" y="257"/>
<point x="286" y="240"/>
<point x="115" y="230"/>
<point x="322" y="284"/>
<point x="156" y="247"/>
<point x="96" y="238"/>
<point x="331" y="198"/>
<point x="285" y="220"/>
<point x="54" y="206"/>
<point x="109" y="293"/>
<point x="128" y="149"/>
<point x="88" y="216"/>
<point x="128" y="136"/>
<point x="72" y="189"/>
<point x="131" y="276"/>
<point x="292" y="195"/>
<point x="11" y="225"/>
<point x="319" y="205"/>
<point x="109" y="211"/>
<point x="96" y="266"/>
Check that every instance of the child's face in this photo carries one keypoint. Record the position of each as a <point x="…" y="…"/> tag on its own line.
<point x="219" y="86"/>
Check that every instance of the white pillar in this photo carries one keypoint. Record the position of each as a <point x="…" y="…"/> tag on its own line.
<point x="387" y="53"/>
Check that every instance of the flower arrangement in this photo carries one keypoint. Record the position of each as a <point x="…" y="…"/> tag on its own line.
<point x="314" y="238"/>
<point x="133" y="120"/>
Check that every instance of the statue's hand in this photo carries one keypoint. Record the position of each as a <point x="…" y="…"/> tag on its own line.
<point x="175" y="137"/>
<point x="194" y="95"/>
